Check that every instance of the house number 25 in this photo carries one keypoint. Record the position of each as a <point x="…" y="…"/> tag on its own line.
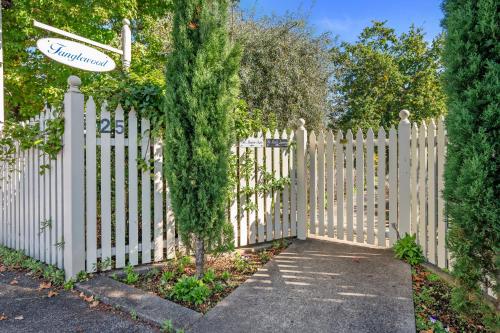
<point x="105" y="126"/>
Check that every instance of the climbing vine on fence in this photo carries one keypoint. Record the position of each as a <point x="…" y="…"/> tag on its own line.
<point x="28" y="135"/>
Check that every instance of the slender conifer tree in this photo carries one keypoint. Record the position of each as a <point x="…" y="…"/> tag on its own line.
<point x="202" y="86"/>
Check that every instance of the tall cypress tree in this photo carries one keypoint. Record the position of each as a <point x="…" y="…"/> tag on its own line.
<point x="202" y="85"/>
<point x="472" y="175"/>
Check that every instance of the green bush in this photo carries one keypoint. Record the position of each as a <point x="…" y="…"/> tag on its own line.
<point x="408" y="250"/>
<point x="131" y="277"/>
<point x="225" y="275"/>
<point x="209" y="276"/>
<point x="190" y="289"/>
<point x="472" y="183"/>
<point x="166" y="277"/>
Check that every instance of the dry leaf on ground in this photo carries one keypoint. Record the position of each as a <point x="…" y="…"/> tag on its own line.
<point x="2" y="268"/>
<point x="87" y="299"/>
<point x="52" y="293"/>
<point x="14" y="282"/>
<point x="3" y="317"/>
<point x="18" y="317"/>
<point x="45" y="285"/>
<point x="94" y="304"/>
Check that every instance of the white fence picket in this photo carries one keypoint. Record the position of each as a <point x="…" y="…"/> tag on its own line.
<point x="413" y="180"/>
<point x="393" y="185"/>
<point x="360" y="187"/>
<point x="53" y="207"/>
<point x="370" y="188"/>
<point x="312" y="183"/>
<point x="293" y="188"/>
<point x="48" y="219"/>
<point x="441" y="223"/>
<point x="422" y="184"/>
<point x="133" y="192"/>
<point x="105" y="185"/>
<point x="233" y="205"/>
<point x="330" y="183"/>
<point x="381" y="203"/>
<point x="285" y="156"/>
<point x="36" y="198"/>
<point x="431" y="190"/>
<point x="321" y="184"/>
<point x="259" y="157"/>
<point x="158" y="200"/>
<point x="145" y="193"/>
<point x="277" y="192"/>
<point x="339" y="154"/>
<point x="242" y="222"/>
<point x="91" y="185"/>
<point x="268" y="201"/>
<point x="349" y="186"/>
<point x="252" y="216"/>
<point x="119" y="187"/>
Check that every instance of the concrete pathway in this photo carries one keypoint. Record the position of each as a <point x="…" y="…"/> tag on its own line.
<point x="65" y="312"/>
<point x="320" y="286"/>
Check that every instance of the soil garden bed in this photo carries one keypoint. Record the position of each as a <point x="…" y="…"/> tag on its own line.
<point x="176" y="280"/>
<point x="433" y="311"/>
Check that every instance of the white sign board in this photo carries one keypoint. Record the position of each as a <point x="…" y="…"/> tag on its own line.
<point x="75" y="55"/>
<point x="252" y="143"/>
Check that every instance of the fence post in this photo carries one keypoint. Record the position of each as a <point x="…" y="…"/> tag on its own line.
<point x="301" y="137"/>
<point x="404" y="134"/>
<point x="73" y="182"/>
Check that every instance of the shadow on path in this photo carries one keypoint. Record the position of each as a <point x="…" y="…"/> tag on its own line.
<point x="320" y="286"/>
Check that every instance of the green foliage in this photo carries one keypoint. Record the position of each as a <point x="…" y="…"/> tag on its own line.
<point x="133" y="315"/>
<point x="408" y="250"/>
<point x="209" y="276"/>
<point x="241" y="264"/>
<point x="225" y="275"/>
<point x="131" y="276"/>
<point x="17" y="260"/>
<point x="166" y="277"/>
<point x="201" y="89"/>
<point x="31" y="79"/>
<point x="190" y="289"/>
<point x="219" y="287"/>
<point x="182" y="263"/>
<point x="382" y="73"/>
<point x="433" y="277"/>
<point x="264" y="256"/>
<point x="167" y="326"/>
<point x="285" y="70"/>
<point x="472" y="183"/>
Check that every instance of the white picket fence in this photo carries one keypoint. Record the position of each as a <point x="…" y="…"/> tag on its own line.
<point x="104" y="201"/>
<point x="369" y="189"/>
<point x="32" y="201"/>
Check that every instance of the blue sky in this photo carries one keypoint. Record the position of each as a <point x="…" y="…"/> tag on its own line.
<point x="346" y="18"/>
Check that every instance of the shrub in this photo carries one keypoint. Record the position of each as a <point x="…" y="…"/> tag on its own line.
<point x="166" y="277"/>
<point x="408" y="250"/>
<point x="225" y="275"/>
<point x="471" y="58"/>
<point x="190" y="289"/>
<point x="131" y="277"/>
<point x="209" y="276"/>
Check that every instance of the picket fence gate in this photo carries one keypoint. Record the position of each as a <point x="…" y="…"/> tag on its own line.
<point x="104" y="201"/>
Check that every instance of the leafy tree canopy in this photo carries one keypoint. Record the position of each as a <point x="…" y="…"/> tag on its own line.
<point x="285" y="70"/>
<point x="382" y="73"/>
<point x="31" y="79"/>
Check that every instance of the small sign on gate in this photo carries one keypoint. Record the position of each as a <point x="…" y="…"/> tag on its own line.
<point x="277" y="143"/>
<point x="252" y="143"/>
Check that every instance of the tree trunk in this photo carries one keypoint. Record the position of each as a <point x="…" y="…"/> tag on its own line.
<point x="200" y="257"/>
